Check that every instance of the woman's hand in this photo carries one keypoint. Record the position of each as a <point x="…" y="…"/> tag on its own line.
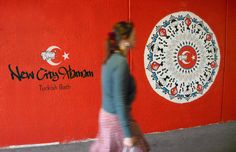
<point x="129" y="142"/>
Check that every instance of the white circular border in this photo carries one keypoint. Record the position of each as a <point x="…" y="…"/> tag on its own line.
<point x="151" y="40"/>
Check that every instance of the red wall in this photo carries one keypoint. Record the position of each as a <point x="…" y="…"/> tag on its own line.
<point x="229" y="100"/>
<point x="160" y="115"/>
<point x="27" y="28"/>
<point x="29" y="115"/>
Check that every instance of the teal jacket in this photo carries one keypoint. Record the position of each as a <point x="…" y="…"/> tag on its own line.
<point x="118" y="90"/>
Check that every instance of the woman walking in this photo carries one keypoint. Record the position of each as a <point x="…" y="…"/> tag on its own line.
<point x="118" y="131"/>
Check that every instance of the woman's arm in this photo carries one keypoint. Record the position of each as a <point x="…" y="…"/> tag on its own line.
<point x="121" y="80"/>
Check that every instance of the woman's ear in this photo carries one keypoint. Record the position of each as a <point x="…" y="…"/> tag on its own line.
<point x="124" y="44"/>
<point x="127" y="44"/>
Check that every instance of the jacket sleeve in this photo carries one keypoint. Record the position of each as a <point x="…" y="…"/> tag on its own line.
<point x="121" y="79"/>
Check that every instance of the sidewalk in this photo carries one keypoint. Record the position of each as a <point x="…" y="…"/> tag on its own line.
<point x="211" y="138"/>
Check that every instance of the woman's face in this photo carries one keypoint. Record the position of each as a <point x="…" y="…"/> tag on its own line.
<point x="132" y="38"/>
<point x="125" y="44"/>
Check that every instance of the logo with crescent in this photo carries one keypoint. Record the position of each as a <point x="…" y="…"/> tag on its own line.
<point x="182" y="57"/>
<point x="51" y="55"/>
